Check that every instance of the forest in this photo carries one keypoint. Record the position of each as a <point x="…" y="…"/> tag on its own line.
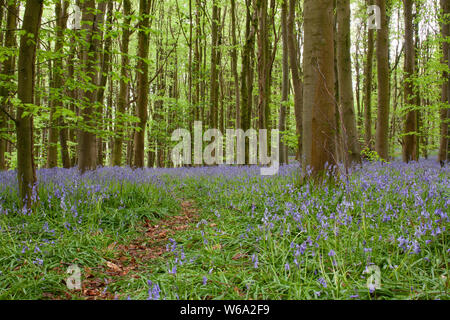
<point x="120" y="122"/>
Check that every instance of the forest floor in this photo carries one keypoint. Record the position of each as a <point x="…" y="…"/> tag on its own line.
<point x="229" y="233"/>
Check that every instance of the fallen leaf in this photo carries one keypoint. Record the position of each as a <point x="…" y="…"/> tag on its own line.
<point x="238" y="256"/>
<point x="113" y="266"/>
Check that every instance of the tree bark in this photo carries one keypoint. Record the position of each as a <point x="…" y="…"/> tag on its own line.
<point x="8" y="67"/>
<point x="445" y="95"/>
<point x="409" y="138"/>
<point x="346" y="103"/>
<point x="382" y="131"/>
<point x="368" y="90"/>
<point x="285" y="83"/>
<point x="264" y="64"/>
<point x="56" y="101"/>
<point x="247" y="73"/>
<point x="234" y="64"/>
<point x="296" y="75"/>
<point x="87" y="159"/>
<point x="142" y="83"/>
<point x="104" y="66"/>
<point x="318" y="105"/>
<point x="124" y="88"/>
<point x="26" y="171"/>
<point x="214" y="94"/>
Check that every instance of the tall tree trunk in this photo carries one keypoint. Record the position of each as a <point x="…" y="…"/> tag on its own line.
<point x="142" y="83"/>
<point x="409" y="138"/>
<point x="417" y="100"/>
<point x="247" y="73"/>
<point x="296" y="76"/>
<point x="264" y="64"/>
<point x="124" y="88"/>
<point x="346" y="104"/>
<point x="234" y="64"/>
<point x="382" y="132"/>
<point x="368" y="89"/>
<point x="87" y="159"/>
<point x="8" y="67"/>
<point x="214" y="97"/>
<point x="445" y="96"/>
<point x="26" y="171"/>
<point x="318" y="105"/>
<point x="57" y="84"/>
<point x="285" y="83"/>
<point x="104" y="66"/>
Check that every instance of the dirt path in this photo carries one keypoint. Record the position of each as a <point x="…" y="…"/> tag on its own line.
<point x="133" y="258"/>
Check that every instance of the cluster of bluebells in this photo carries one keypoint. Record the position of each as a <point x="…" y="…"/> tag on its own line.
<point x="396" y="209"/>
<point x="381" y="208"/>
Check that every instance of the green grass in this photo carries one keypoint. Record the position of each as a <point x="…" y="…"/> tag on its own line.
<point x="241" y="218"/>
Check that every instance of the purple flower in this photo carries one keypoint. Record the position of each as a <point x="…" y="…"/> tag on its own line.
<point x="255" y="261"/>
<point x="323" y="282"/>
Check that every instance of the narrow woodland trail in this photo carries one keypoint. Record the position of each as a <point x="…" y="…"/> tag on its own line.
<point x="133" y="258"/>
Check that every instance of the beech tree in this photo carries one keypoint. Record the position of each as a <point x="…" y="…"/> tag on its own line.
<point x="350" y="141"/>
<point x="26" y="170"/>
<point x="382" y="45"/>
<point x="318" y="105"/>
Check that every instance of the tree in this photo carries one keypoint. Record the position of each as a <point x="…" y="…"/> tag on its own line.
<point x="87" y="159"/>
<point x="57" y="84"/>
<point x="368" y="89"/>
<point x="234" y="63"/>
<point x="346" y="102"/>
<point x="285" y="82"/>
<point x="318" y="105"/>
<point x="409" y="138"/>
<point x="264" y="64"/>
<point x="445" y="96"/>
<point x="214" y="93"/>
<point x="382" y="42"/>
<point x="247" y="73"/>
<point x="296" y="74"/>
<point x="26" y="171"/>
<point x="104" y="64"/>
<point x="142" y="82"/>
<point x="124" y="87"/>
<point x="7" y="72"/>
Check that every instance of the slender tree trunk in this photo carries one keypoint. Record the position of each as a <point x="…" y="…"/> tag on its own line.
<point x="368" y="90"/>
<point x="142" y="83"/>
<point x="8" y="67"/>
<point x="445" y="96"/>
<point x="296" y="76"/>
<point x="247" y="73"/>
<point x="264" y="64"/>
<point x="318" y="105"/>
<point x="346" y="103"/>
<point x="26" y="171"/>
<point x="214" y="97"/>
<point x="409" y="138"/>
<point x="87" y="159"/>
<point x="104" y="65"/>
<point x="382" y="132"/>
<point x="234" y="64"/>
<point x="124" y="88"/>
<point x="56" y="102"/>
<point x="285" y="82"/>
